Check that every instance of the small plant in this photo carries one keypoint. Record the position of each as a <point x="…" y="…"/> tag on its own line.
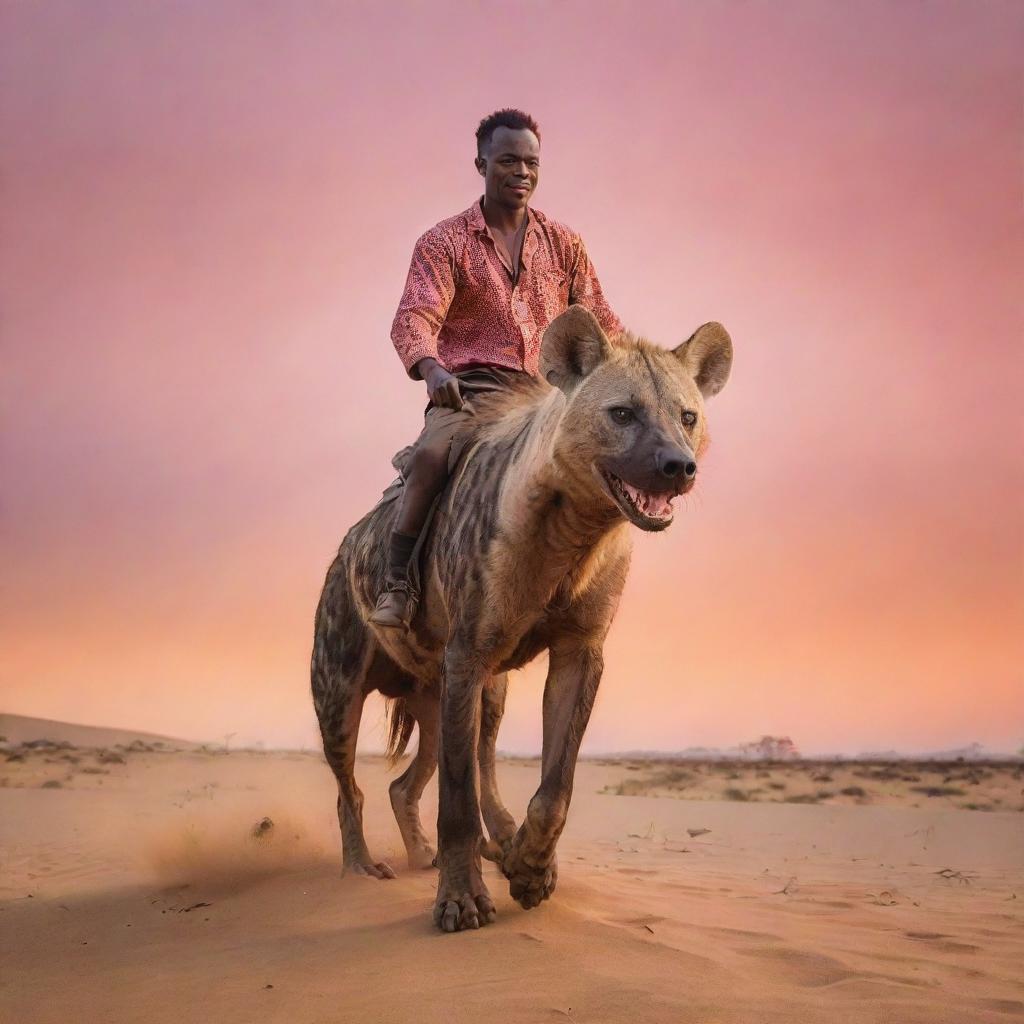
<point x="735" y="794"/>
<point x="882" y="773"/>
<point x="673" y="777"/>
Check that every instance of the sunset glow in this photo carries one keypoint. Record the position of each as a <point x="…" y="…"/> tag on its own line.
<point x="208" y="214"/>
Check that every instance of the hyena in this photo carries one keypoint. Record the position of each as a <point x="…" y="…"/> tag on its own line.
<point x="528" y="551"/>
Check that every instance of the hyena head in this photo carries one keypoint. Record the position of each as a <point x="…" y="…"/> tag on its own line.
<point x="633" y="428"/>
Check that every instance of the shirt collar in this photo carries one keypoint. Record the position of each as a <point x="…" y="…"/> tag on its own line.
<point x="475" y="217"/>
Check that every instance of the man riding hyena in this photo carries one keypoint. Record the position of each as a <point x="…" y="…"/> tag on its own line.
<point x="549" y="430"/>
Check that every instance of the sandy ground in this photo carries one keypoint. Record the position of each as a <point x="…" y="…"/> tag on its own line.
<point x="135" y="890"/>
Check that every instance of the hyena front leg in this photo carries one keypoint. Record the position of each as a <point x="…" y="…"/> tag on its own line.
<point x="573" y="677"/>
<point x="462" y="898"/>
<point x="501" y="826"/>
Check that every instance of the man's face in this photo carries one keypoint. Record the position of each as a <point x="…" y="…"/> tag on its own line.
<point x="510" y="166"/>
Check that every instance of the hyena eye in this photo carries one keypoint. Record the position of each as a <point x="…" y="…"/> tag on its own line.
<point x="689" y="418"/>
<point x="621" y="415"/>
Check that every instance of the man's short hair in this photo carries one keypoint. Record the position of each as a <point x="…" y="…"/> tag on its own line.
<point x="509" y="117"/>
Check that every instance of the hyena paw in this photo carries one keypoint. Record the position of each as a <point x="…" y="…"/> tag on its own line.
<point x="458" y="909"/>
<point x="371" y="869"/>
<point x="422" y="857"/>
<point x="496" y="850"/>
<point x="530" y="881"/>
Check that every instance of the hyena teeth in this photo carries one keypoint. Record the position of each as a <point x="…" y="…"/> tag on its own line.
<point x="654" y="506"/>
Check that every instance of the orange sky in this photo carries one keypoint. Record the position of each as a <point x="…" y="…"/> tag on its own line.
<point x="208" y="212"/>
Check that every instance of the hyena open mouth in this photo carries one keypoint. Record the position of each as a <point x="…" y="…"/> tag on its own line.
<point x="647" y="509"/>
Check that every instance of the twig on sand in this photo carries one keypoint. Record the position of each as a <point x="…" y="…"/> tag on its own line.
<point x="949" y="874"/>
<point x="786" y="889"/>
<point x="694" y="832"/>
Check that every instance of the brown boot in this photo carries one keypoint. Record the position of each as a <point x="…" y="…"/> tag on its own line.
<point x="395" y="606"/>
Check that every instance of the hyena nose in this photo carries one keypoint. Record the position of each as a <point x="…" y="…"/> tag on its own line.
<point x="675" y="464"/>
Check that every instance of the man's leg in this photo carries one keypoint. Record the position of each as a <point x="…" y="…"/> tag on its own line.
<point x="444" y="435"/>
<point x="425" y="476"/>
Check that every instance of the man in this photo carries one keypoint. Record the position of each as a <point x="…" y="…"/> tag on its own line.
<point x="481" y="288"/>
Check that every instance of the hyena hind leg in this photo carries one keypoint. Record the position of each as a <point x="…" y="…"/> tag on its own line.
<point x="501" y="826"/>
<point x="341" y="658"/>
<point x="406" y="790"/>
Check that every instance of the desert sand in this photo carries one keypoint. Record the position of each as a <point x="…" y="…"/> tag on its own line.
<point x="137" y="884"/>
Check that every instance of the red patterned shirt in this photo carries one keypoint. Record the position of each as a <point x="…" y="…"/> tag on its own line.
<point x="461" y="308"/>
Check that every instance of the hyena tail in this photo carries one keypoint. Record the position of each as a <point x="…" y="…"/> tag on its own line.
<point x="400" y="723"/>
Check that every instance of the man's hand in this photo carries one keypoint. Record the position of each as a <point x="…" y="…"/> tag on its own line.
<point x="442" y="387"/>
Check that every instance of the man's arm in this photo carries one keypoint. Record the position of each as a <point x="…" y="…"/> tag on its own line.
<point x="428" y="294"/>
<point x="585" y="289"/>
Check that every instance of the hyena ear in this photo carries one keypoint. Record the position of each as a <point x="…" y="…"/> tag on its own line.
<point x="707" y="356"/>
<point x="573" y="346"/>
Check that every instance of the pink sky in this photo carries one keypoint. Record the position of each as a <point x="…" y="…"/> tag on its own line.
<point x="208" y="211"/>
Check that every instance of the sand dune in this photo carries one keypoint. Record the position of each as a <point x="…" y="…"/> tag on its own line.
<point x="18" y="729"/>
<point x="144" y="894"/>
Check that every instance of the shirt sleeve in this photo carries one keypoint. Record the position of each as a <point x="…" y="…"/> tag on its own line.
<point x="586" y="290"/>
<point x="429" y="290"/>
